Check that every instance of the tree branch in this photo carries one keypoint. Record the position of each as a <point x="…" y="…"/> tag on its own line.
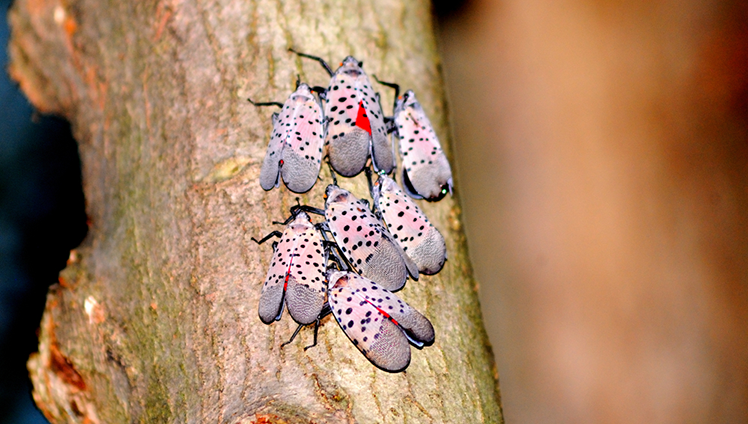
<point x="155" y="318"/>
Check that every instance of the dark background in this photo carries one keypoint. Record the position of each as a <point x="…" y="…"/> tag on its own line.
<point x="42" y="217"/>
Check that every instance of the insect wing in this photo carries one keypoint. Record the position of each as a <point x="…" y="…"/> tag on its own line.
<point x="365" y="242"/>
<point x="348" y="131"/>
<point x="376" y="321"/>
<point x="426" y="171"/>
<point x="292" y="275"/>
<point x="381" y="150"/>
<point x="270" y="172"/>
<point x="306" y="288"/>
<point x="356" y="126"/>
<point x="271" y="297"/>
<point x="303" y="134"/>
<point x="410" y="227"/>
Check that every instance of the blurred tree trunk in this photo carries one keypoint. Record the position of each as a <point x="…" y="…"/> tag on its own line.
<point x="155" y="318"/>
<point x="613" y="167"/>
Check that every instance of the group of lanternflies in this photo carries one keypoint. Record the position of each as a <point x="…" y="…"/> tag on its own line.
<point x="374" y="248"/>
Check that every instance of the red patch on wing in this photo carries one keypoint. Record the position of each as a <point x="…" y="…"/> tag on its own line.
<point x="362" y="121"/>
<point x="288" y="273"/>
<point x="386" y="315"/>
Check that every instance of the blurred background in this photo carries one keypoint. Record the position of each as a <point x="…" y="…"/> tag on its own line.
<point x="603" y="168"/>
<point x="601" y="150"/>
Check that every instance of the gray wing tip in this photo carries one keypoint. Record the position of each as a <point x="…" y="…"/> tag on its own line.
<point x="299" y="188"/>
<point x="267" y="318"/>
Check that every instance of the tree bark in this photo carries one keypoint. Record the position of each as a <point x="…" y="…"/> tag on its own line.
<point x="155" y="317"/>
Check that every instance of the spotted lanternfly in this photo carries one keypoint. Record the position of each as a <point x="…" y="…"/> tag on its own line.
<point x="365" y="241"/>
<point x="356" y="127"/>
<point x="295" y="148"/>
<point x="409" y="226"/>
<point x="425" y="169"/>
<point x="296" y="275"/>
<point x="377" y="321"/>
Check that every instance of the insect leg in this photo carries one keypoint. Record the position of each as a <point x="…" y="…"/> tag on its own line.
<point x="267" y="237"/>
<point x="286" y="222"/>
<point x="337" y="256"/>
<point x="293" y="336"/>
<point x="279" y="104"/>
<point x="319" y="90"/>
<point x="329" y="246"/>
<point x="391" y="85"/>
<point x="318" y="59"/>
<point x="332" y="173"/>
<point x="295" y="209"/>
<point x="316" y="327"/>
<point x="367" y="171"/>
<point x="322" y="227"/>
<point x="325" y="312"/>
<point x="308" y="209"/>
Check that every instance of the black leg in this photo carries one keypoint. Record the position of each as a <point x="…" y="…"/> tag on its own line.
<point x="279" y="104"/>
<point x="316" y="328"/>
<point x="318" y="59"/>
<point x="307" y="209"/>
<point x="264" y="239"/>
<point x="287" y="221"/>
<point x="332" y="173"/>
<point x="322" y="226"/>
<point x="293" y="336"/>
<point x="319" y="90"/>
<point x="391" y="85"/>
<point x="323" y="313"/>
<point x="368" y="173"/>
<point x="338" y="257"/>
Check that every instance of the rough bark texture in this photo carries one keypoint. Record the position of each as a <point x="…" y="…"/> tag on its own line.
<point x="155" y="318"/>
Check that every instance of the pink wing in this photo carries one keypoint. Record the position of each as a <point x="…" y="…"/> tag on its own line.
<point x="381" y="149"/>
<point x="348" y="131"/>
<point x="410" y="227"/>
<point x="365" y="242"/>
<point x="302" y="132"/>
<point x="270" y="172"/>
<point x="342" y="104"/>
<point x="296" y="270"/>
<point x="378" y="323"/>
<point x="271" y="297"/>
<point x="306" y="289"/>
<point x="425" y="167"/>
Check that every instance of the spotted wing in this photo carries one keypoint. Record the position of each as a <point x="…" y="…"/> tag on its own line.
<point x="302" y="154"/>
<point x="368" y="245"/>
<point x="271" y="297"/>
<point x="381" y="149"/>
<point x="306" y="290"/>
<point x="349" y="128"/>
<point x="270" y="172"/>
<point x="410" y="227"/>
<point x="426" y="170"/>
<point x="378" y="323"/>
